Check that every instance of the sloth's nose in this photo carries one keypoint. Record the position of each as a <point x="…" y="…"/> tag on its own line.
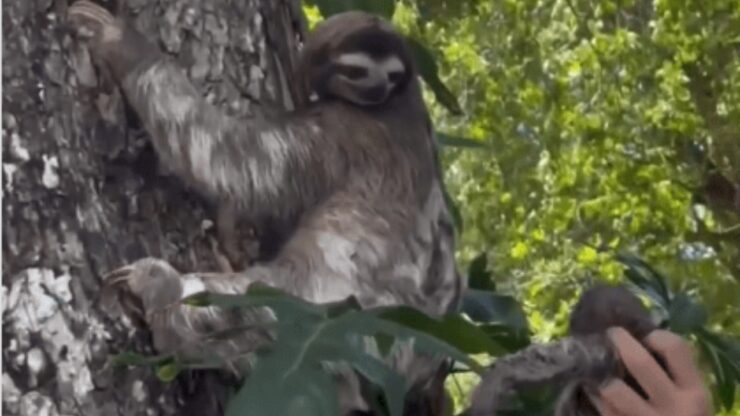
<point x="375" y="94"/>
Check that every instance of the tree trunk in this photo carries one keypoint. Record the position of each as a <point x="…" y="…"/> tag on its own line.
<point x="83" y="195"/>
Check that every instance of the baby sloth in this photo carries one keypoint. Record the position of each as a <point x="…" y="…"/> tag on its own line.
<point x="580" y="362"/>
<point x="351" y="180"/>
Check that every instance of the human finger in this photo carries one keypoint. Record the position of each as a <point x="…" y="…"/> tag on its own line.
<point x="641" y="365"/>
<point x="678" y="356"/>
<point x="619" y="399"/>
<point x="604" y="408"/>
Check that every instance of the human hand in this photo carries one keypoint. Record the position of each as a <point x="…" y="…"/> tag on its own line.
<point x="682" y="393"/>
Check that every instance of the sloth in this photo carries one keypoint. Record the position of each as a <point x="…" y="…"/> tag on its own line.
<point x="580" y="363"/>
<point x="352" y="177"/>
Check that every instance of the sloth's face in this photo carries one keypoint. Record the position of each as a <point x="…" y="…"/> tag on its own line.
<point x="357" y="58"/>
<point x="366" y="80"/>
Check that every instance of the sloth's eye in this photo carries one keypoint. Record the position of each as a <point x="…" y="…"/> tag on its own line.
<point x="395" y="77"/>
<point x="353" y="72"/>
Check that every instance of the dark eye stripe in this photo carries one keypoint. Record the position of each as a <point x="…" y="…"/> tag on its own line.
<point x="352" y="71"/>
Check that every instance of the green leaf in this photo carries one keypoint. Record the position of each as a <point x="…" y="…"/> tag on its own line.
<point x="259" y="295"/>
<point x="686" y="315"/>
<point x="328" y="8"/>
<point x="336" y="309"/>
<point x="454" y="141"/>
<point x="384" y="342"/>
<point x="376" y="371"/>
<point x="725" y="371"/>
<point x="303" y="345"/>
<point x="644" y="276"/>
<point x="287" y="379"/>
<point x="134" y="359"/>
<point x="443" y="9"/>
<point x="429" y="72"/>
<point x="278" y="387"/>
<point x="454" y="210"/>
<point x="724" y="355"/>
<point x="390" y="382"/>
<point x="168" y="371"/>
<point x="488" y="307"/>
<point x="454" y="330"/>
<point x="165" y="363"/>
<point x="478" y="275"/>
<point x="512" y="339"/>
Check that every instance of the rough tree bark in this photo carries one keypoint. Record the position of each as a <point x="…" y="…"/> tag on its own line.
<point x="83" y="195"/>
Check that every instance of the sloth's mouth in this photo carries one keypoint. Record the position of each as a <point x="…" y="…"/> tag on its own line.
<point x="374" y="95"/>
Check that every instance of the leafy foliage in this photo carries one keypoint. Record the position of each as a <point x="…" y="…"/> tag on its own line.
<point x="610" y="129"/>
<point x="289" y="376"/>
<point x="292" y="376"/>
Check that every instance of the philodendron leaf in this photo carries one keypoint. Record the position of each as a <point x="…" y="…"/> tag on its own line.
<point x="390" y="383"/>
<point x="402" y="323"/>
<point x="451" y="335"/>
<point x="289" y="376"/>
<point x="287" y="379"/>
<point x="336" y="309"/>
<point x="279" y="387"/>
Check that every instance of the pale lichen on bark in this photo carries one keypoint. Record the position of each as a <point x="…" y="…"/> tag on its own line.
<point x="82" y="195"/>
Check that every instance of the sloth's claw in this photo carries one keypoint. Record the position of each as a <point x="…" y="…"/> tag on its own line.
<point x="92" y="21"/>
<point x="91" y="11"/>
<point x="143" y="285"/>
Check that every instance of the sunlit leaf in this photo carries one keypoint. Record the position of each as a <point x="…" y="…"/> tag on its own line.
<point x="461" y="142"/>
<point x="383" y="8"/>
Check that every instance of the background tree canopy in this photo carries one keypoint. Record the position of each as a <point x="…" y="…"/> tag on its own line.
<point x="599" y="128"/>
